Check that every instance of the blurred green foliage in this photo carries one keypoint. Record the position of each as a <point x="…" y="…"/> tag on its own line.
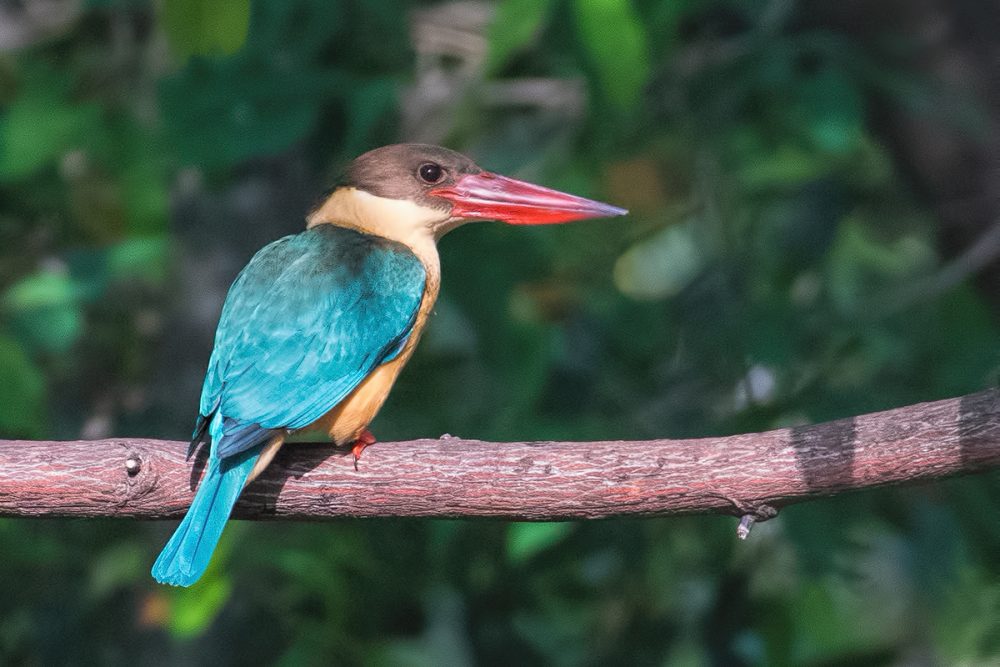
<point x="765" y="278"/>
<point x="196" y="27"/>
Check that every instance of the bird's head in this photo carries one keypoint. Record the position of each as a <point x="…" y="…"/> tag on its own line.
<point x="431" y="190"/>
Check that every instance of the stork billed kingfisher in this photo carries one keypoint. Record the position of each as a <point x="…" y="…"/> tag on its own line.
<point x="317" y="327"/>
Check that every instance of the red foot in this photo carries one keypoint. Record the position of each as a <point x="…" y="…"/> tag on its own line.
<point x="366" y="438"/>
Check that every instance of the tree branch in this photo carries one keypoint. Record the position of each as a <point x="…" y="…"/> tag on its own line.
<point x="747" y="475"/>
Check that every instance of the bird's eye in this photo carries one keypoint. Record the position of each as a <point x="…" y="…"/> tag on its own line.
<point x="430" y="172"/>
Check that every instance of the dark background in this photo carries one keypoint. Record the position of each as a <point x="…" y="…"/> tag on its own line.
<point x="814" y="234"/>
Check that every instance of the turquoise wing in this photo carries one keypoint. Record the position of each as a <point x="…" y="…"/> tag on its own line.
<point x="305" y="322"/>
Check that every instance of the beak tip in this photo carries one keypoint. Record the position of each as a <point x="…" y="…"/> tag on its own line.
<point x="610" y="211"/>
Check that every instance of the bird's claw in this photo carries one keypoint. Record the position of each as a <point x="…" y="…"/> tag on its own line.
<point x="366" y="438"/>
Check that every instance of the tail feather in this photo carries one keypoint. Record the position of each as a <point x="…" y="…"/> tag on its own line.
<point x="187" y="553"/>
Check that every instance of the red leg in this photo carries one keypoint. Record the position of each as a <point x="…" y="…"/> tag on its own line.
<point x="366" y="438"/>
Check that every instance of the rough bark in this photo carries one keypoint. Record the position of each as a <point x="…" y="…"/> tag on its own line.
<point x="750" y="475"/>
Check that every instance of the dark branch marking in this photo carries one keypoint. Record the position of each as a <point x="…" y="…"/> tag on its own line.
<point x="825" y="453"/>
<point x="978" y="425"/>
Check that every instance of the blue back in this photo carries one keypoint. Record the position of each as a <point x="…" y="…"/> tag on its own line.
<point x="305" y="322"/>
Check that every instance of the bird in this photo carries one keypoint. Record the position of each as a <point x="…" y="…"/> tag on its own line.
<point x="318" y="325"/>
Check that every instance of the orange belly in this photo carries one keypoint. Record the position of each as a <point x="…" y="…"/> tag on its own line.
<point x="346" y="421"/>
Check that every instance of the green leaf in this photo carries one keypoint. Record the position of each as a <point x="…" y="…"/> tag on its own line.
<point x="42" y="290"/>
<point x="143" y="257"/>
<point x="834" y="110"/>
<point x="525" y="540"/>
<point x="661" y="266"/>
<point x="22" y="392"/>
<point x="44" y="310"/>
<point x="515" y="23"/>
<point x="861" y="264"/>
<point x="142" y="173"/>
<point x="193" y="609"/>
<point x="117" y="566"/>
<point x="40" y="124"/>
<point x="206" y="27"/>
<point x="784" y="166"/>
<point x="617" y="45"/>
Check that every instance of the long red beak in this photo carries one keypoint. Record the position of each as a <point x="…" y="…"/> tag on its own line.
<point x="493" y="197"/>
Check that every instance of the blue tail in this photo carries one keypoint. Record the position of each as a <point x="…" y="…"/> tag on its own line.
<point x="186" y="555"/>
